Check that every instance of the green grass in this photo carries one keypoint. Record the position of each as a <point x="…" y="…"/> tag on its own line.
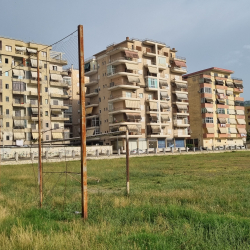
<point x="176" y="202"/>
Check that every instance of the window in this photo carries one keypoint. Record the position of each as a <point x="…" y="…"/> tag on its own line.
<point x="44" y="54"/>
<point x="203" y="100"/>
<point x="140" y="95"/>
<point x="152" y="83"/>
<point x="7" y="86"/>
<point x="206" y="90"/>
<point x="46" y="89"/>
<point x="100" y="99"/>
<point x="47" y="125"/>
<point x="27" y="75"/>
<point x="46" y="113"/>
<point x="7" y="99"/>
<point x="47" y="137"/>
<point x="7" y="111"/>
<point x="150" y="96"/>
<point x="218" y="140"/>
<point x="0" y="45"/>
<point x="6" y="73"/>
<point x="45" y="65"/>
<point x="46" y="101"/>
<point x="56" y="125"/>
<point x="220" y="111"/>
<point x="208" y="120"/>
<point x="7" y="124"/>
<point x="100" y="111"/>
<point x="55" y="102"/>
<point x="45" y="78"/>
<point x="8" y="48"/>
<point x="6" y="60"/>
<point x="54" y="67"/>
<point x="249" y="123"/>
<point x="215" y="74"/>
<point x="7" y="137"/>
<point x="128" y="94"/>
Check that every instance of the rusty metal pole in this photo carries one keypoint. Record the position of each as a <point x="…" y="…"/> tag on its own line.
<point x="127" y="161"/>
<point x="39" y="135"/>
<point x="83" y="125"/>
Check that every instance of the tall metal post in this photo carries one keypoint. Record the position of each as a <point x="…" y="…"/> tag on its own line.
<point x="83" y="125"/>
<point x="39" y="135"/>
<point x="127" y="161"/>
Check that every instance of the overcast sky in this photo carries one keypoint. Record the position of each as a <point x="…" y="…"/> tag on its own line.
<point x="208" y="33"/>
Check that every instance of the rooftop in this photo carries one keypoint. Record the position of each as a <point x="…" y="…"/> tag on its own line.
<point x="209" y="69"/>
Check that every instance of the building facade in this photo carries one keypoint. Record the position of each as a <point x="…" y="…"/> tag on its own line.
<point x="19" y="95"/>
<point x="216" y="109"/>
<point x="247" y="115"/>
<point x="137" y="85"/>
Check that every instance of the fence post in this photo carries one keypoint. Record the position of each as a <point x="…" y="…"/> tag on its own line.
<point x="164" y="150"/>
<point x="172" y="150"/>
<point x="179" y="150"/>
<point x="194" y="149"/>
<point x="119" y="152"/>
<point x="16" y="156"/>
<point x="186" y="149"/>
<point x="155" y="150"/>
<point x="147" y="151"/>
<point x="97" y="153"/>
<point x="108" y="154"/>
<point x="46" y="155"/>
<point x="60" y="155"/>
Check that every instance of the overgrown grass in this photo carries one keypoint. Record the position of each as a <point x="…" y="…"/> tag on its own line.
<point x="176" y="202"/>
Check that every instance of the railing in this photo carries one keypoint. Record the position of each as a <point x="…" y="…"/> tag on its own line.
<point x="180" y="57"/>
<point x="89" y="58"/>
<point x="123" y="58"/>
<point x="123" y="95"/>
<point x="112" y="84"/>
<point x="120" y="71"/>
<point x="179" y="68"/>
<point x="180" y="122"/>
<point x="92" y="80"/>
<point x="93" y="92"/>
<point x="126" y="120"/>
<point x="151" y="63"/>
<point x="234" y="78"/>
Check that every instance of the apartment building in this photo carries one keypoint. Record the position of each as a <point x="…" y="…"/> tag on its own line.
<point x="137" y="85"/>
<point x="19" y="96"/>
<point x="73" y="113"/>
<point x="247" y="115"/>
<point x="216" y="109"/>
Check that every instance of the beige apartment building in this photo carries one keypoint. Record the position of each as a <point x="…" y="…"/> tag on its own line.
<point x="247" y="115"/>
<point x="217" y="117"/>
<point x="137" y="85"/>
<point x="19" y="96"/>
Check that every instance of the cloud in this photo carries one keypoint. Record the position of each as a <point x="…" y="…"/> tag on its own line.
<point x="246" y="46"/>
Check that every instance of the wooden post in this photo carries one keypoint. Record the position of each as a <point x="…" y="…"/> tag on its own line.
<point x="83" y="124"/>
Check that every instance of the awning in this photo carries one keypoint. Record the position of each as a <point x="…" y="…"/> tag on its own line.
<point x="133" y="116"/>
<point x="241" y="121"/>
<point x="242" y="130"/>
<point x="240" y="112"/>
<point x="230" y="102"/>
<point x="206" y="79"/>
<point x="132" y="104"/>
<point x="56" y="77"/>
<point x="131" y="66"/>
<point x="132" y="128"/>
<point x="210" y="130"/>
<point x="181" y="96"/>
<point x="153" y="105"/>
<point x="17" y="72"/>
<point x="229" y="92"/>
<point x="19" y="136"/>
<point x="153" y="117"/>
<point x="163" y="83"/>
<point x="131" y="54"/>
<point x="181" y="85"/>
<point x="90" y="132"/>
<point x="165" y="106"/>
<point x="165" y="118"/>
<point x="221" y="100"/>
<point x="210" y="110"/>
<point x="232" y="121"/>
<point x="56" y="111"/>
<point x="34" y="51"/>
<point x="155" y="129"/>
<point x="182" y="107"/>
<point x="152" y="70"/>
<point x="34" y="63"/>
<point x="220" y="82"/>
<point x="231" y="112"/>
<point x="238" y="84"/>
<point x="34" y="74"/>
<point x="180" y="63"/>
<point x="223" y="130"/>
<point x="89" y="110"/>
<point x="230" y="84"/>
<point x="57" y="135"/>
<point x="123" y="128"/>
<point x="35" y="135"/>
<point x="133" y="79"/>
<point x="220" y="91"/>
<point x="222" y="120"/>
<point x="20" y="48"/>
<point x="233" y="131"/>
<point x="209" y="100"/>
<point x="19" y="123"/>
<point x="164" y="94"/>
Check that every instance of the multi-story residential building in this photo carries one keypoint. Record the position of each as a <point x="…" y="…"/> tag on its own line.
<point x="73" y="113"/>
<point x="247" y="115"/>
<point x="137" y="85"/>
<point x="19" y="96"/>
<point x="216" y="108"/>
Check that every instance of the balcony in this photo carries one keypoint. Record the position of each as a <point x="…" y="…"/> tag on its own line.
<point x="181" y="123"/>
<point x="59" y="118"/>
<point x="122" y="85"/>
<point x="59" y="84"/>
<point x="91" y="83"/>
<point x="58" y="107"/>
<point x="53" y="95"/>
<point x="239" y="99"/>
<point x="120" y="97"/>
<point x="35" y="118"/>
<point x="238" y="90"/>
<point x="116" y="73"/>
<point x="89" y="105"/>
<point x="91" y="94"/>
<point x="181" y="133"/>
<point x="122" y="60"/>
<point x="180" y="70"/>
<point x="19" y="92"/>
<point x="20" y="104"/>
<point x="120" y="49"/>
<point x="149" y="52"/>
<point x="58" y="61"/>
<point x="151" y="83"/>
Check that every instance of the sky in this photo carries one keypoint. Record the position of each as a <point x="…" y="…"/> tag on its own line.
<point x="214" y="33"/>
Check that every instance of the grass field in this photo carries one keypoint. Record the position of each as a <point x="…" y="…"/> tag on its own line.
<point x="176" y="202"/>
